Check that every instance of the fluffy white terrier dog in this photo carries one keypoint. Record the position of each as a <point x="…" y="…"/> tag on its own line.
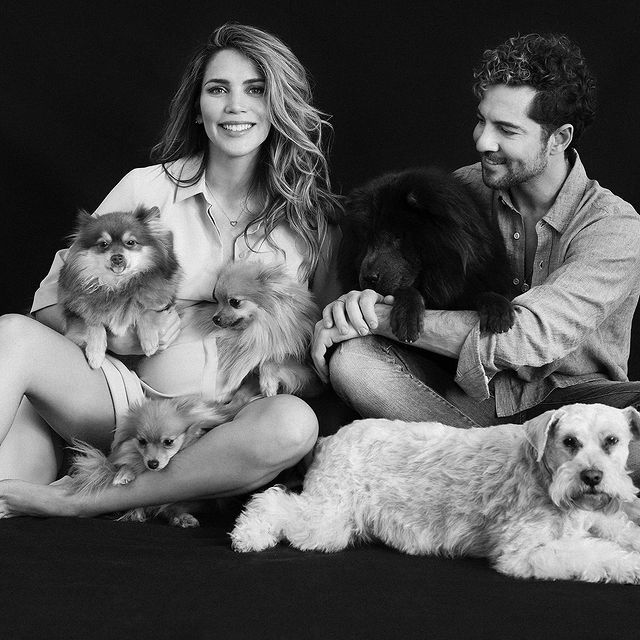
<point x="542" y="499"/>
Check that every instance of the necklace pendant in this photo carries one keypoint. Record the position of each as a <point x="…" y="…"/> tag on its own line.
<point x="233" y="223"/>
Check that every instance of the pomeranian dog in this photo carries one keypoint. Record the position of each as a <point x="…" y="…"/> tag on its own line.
<point x="263" y="323"/>
<point x="152" y="432"/>
<point x="120" y="270"/>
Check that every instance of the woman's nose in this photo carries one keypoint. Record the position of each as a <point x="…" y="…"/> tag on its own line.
<point x="235" y="103"/>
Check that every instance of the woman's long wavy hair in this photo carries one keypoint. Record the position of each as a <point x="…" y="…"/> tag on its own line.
<point x="293" y="174"/>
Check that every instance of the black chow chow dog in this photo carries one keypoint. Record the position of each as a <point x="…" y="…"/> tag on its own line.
<point x="419" y="236"/>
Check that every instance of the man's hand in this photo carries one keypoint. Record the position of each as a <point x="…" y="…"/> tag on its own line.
<point x="354" y="310"/>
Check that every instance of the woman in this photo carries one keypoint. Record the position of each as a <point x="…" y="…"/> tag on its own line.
<point x="240" y="174"/>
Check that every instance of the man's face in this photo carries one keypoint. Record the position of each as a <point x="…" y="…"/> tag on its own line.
<point x="513" y="148"/>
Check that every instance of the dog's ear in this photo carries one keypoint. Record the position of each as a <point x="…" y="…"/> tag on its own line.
<point x="538" y="429"/>
<point x="146" y="215"/>
<point x="633" y="418"/>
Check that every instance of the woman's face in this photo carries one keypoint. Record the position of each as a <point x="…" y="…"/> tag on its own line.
<point x="233" y="106"/>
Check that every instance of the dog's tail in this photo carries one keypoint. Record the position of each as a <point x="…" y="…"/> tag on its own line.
<point x="90" y="470"/>
<point x="308" y="522"/>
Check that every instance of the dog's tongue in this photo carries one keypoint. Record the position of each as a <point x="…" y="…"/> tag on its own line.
<point x="594" y="501"/>
<point x="118" y="269"/>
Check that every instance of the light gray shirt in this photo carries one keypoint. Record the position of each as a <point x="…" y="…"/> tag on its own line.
<point x="573" y="321"/>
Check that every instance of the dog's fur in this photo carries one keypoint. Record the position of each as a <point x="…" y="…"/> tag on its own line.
<point x="152" y="432"/>
<point x="264" y="322"/>
<point x="419" y="236"/>
<point x="539" y="500"/>
<point x="119" y="270"/>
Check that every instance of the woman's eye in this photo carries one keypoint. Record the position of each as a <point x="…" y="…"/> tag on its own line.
<point x="256" y="91"/>
<point x="216" y="91"/>
<point x="234" y="302"/>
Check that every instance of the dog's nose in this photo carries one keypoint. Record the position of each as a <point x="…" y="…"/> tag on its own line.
<point x="152" y="464"/>
<point x="370" y="279"/>
<point x="117" y="259"/>
<point x="591" y="477"/>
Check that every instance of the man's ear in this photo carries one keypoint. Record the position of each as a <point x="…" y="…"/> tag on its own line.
<point x="561" y="139"/>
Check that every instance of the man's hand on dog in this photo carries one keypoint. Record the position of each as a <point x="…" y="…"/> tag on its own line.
<point x="352" y="315"/>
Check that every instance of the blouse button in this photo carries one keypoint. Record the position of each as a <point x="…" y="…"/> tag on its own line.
<point x="516" y="235"/>
<point x="541" y="263"/>
<point x="516" y="281"/>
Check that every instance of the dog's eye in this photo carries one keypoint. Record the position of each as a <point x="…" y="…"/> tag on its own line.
<point x="131" y="243"/>
<point x="571" y="443"/>
<point x="103" y="244"/>
<point x="167" y="442"/>
<point x="234" y="302"/>
<point x="610" y="441"/>
<point x="142" y="442"/>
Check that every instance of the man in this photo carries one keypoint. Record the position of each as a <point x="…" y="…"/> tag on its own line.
<point x="573" y="253"/>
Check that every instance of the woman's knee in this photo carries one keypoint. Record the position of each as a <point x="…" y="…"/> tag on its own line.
<point x="291" y="427"/>
<point x="17" y="330"/>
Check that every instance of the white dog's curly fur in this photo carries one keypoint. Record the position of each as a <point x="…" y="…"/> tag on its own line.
<point x="539" y="500"/>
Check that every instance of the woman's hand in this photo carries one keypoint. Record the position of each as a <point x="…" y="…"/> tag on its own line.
<point x="169" y="324"/>
<point x="354" y="310"/>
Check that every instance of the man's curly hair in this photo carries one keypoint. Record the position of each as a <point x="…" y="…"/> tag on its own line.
<point x="553" y="66"/>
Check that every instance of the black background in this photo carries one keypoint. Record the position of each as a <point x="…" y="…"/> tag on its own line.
<point x="86" y="87"/>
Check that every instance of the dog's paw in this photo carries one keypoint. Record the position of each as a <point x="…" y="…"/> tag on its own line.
<point x="134" y="515"/>
<point x="184" y="520"/>
<point x="149" y="344"/>
<point x="124" y="475"/>
<point x="95" y="357"/>
<point x="497" y="314"/>
<point x="407" y="315"/>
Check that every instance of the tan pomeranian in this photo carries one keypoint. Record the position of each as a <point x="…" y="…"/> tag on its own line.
<point x="263" y="323"/>
<point x="151" y="433"/>
<point x="119" y="271"/>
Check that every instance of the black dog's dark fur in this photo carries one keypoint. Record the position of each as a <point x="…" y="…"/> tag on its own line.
<point x="419" y="236"/>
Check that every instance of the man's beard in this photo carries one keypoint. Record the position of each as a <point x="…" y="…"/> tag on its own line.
<point x="514" y="173"/>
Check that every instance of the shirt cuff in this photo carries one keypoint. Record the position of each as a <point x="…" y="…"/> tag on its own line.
<point x="471" y="376"/>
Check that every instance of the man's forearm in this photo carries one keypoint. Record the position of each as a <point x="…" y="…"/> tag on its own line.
<point x="444" y="332"/>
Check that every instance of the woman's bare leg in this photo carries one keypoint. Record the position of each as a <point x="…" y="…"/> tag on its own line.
<point x="31" y="450"/>
<point x="266" y="437"/>
<point x="52" y="373"/>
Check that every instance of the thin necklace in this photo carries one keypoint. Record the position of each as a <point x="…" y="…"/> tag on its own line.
<point x="232" y="222"/>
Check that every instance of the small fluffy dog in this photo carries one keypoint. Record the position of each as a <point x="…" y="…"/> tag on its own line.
<point x="150" y="435"/>
<point x="120" y="270"/>
<point x="418" y="235"/>
<point x="542" y="499"/>
<point x="264" y="322"/>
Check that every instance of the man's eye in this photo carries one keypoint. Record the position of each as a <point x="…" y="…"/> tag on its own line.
<point x="234" y="302"/>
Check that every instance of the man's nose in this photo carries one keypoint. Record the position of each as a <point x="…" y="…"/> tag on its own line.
<point x="485" y="140"/>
